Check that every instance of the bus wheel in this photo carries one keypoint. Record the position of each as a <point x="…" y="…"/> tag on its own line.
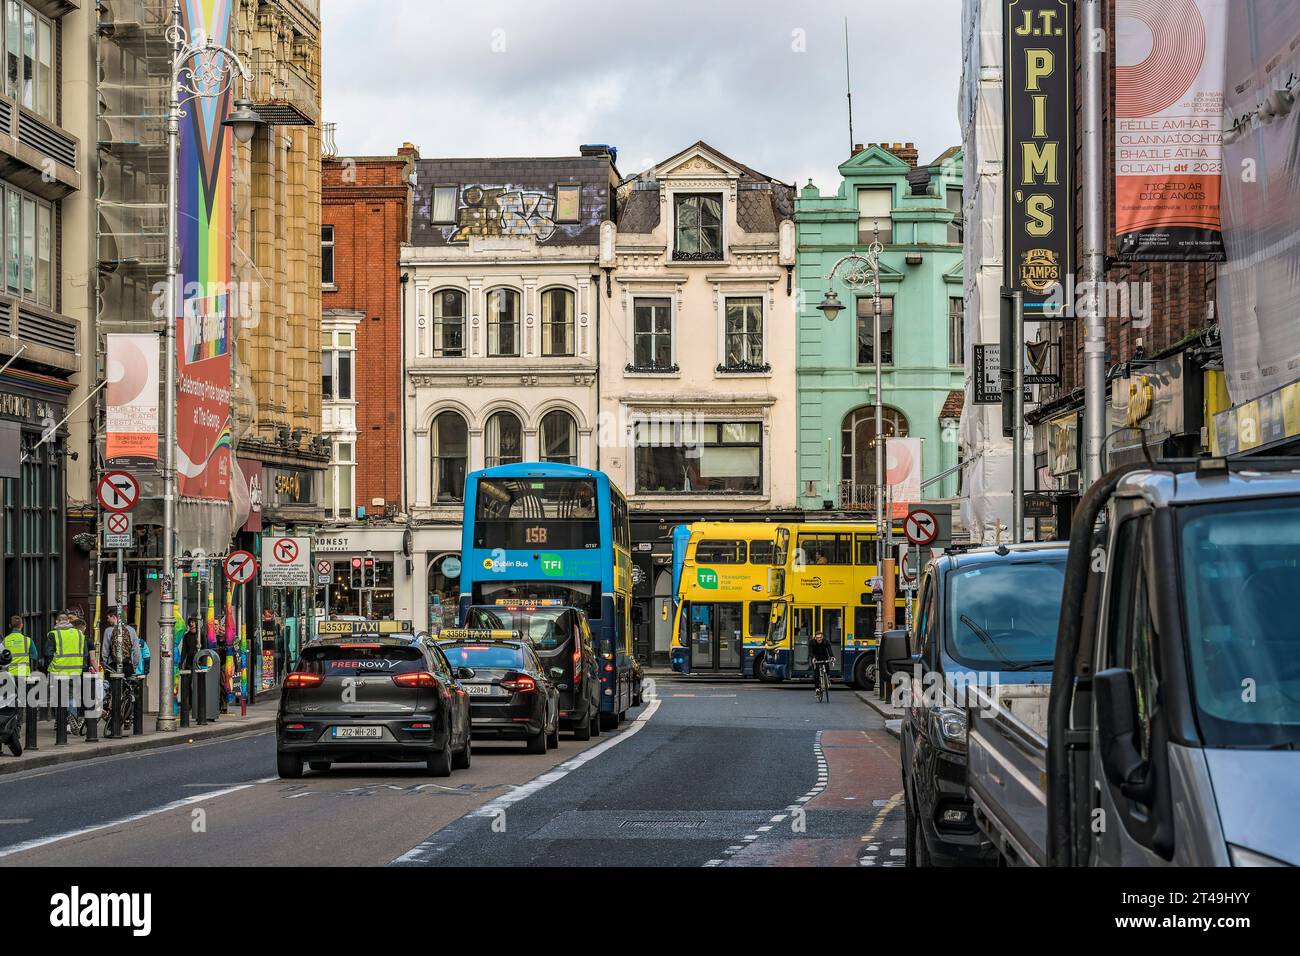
<point x="760" y="673"/>
<point x="864" y="674"/>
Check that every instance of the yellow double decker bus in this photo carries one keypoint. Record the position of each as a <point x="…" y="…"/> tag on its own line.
<point x="723" y="573"/>
<point x="825" y="585"/>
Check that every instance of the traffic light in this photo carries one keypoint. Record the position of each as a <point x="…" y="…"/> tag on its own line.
<point x="355" y="581"/>
<point x="368" y="575"/>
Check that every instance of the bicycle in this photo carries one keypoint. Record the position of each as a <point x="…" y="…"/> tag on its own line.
<point x="822" y="680"/>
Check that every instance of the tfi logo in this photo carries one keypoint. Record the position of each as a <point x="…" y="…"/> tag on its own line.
<point x="552" y="565"/>
<point x="74" y="909"/>
<point x="707" y="578"/>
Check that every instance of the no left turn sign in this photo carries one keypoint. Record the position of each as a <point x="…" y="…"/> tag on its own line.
<point x="921" y="528"/>
<point x="240" y="567"/>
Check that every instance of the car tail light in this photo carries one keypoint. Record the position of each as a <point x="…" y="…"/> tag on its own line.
<point x="420" y="726"/>
<point x="519" y="683"/>
<point x="609" y="668"/>
<point x="295" y="726"/>
<point x="366" y="647"/>
<point x="303" y="679"/>
<point x="416" y="679"/>
<point x="577" y="664"/>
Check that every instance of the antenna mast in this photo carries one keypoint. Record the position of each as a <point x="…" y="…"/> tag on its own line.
<point x="848" y="82"/>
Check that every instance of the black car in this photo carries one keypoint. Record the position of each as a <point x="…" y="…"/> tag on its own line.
<point x="382" y="698"/>
<point x="986" y="616"/>
<point x="511" y="696"/>
<point x="561" y="637"/>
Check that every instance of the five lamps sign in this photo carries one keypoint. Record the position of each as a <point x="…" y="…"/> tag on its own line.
<point x="1039" y="106"/>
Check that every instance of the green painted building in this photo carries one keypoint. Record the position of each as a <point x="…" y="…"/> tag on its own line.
<point x="918" y="211"/>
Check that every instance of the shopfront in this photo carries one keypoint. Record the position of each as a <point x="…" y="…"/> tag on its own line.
<point x="363" y="571"/>
<point x="436" y="591"/>
<point x="32" y="516"/>
<point x="1155" y="409"/>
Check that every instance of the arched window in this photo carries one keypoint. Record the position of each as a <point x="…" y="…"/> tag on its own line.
<point x="450" y="451"/>
<point x="504" y="439"/>
<point x="444" y="590"/>
<point x="559" y="438"/>
<point x="449" y="323"/>
<point x="557" y="322"/>
<point x="858" y="451"/>
<point x="503" y="323"/>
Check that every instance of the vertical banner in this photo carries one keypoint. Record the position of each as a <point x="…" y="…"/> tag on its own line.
<point x="1169" y="75"/>
<point x="1259" y="286"/>
<point x="131" y="413"/>
<point x="1039" y="104"/>
<point x="903" y="473"/>
<point x="204" y="182"/>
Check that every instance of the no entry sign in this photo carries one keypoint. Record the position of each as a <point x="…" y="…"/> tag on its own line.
<point x="921" y="528"/>
<point x="286" y="562"/>
<point x="118" y="491"/>
<point x="240" y="567"/>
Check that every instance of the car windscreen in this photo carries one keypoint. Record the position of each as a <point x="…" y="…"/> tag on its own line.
<point x="546" y="627"/>
<point x="347" y="660"/>
<point x="1241" y="588"/>
<point x="1004" y="616"/>
<point x="488" y="656"/>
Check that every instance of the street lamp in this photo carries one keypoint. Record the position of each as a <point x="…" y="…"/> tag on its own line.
<point x="198" y="71"/>
<point x="866" y="269"/>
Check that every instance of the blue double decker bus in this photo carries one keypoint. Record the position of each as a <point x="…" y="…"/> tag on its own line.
<point x="558" y="533"/>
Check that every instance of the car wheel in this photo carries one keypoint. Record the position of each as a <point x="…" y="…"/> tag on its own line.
<point x="439" y="765"/>
<point x="553" y="738"/>
<point x="922" y="854"/>
<point x="864" y="673"/>
<point x="288" y="766"/>
<point x="461" y="760"/>
<point x="582" y="730"/>
<point x="595" y="723"/>
<point x="909" y="857"/>
<point x="320" y="766"/>
<point x="608" y="721"/>
<point x="537" y="743"/>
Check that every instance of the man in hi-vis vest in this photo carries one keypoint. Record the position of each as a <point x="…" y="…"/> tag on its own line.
<point x="65" y="660"/>
<point x="23" y="660"/>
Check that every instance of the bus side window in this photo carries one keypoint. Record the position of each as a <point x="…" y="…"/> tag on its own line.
<point x="866" y="550"/>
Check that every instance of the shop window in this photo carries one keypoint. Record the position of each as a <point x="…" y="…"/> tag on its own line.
<point x="695" y="457"/>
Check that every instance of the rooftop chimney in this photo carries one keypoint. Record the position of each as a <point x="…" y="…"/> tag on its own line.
<point x="409" y="149"/>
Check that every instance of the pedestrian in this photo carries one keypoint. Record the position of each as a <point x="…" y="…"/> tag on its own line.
<point x="190" y="643"/>
<point x="24" y="658"/>
<point x="67" y="657"/>
<point x="120" y="654"/>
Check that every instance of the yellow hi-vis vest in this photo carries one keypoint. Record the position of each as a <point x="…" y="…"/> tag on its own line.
<point x="17" y="645"/>
<point x="69" y="651"/>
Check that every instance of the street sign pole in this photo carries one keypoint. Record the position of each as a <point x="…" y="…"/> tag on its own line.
<point x="1018" y="419"/>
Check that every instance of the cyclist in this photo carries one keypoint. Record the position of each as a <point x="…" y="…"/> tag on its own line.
<point x="820" y="650"/>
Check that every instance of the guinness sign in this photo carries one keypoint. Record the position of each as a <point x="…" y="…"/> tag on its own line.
<point x="1038" y="79"/>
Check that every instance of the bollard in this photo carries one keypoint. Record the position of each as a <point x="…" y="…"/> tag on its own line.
<point x="115" y="702"/>
<point x="88" y="715"/>
<point x="30" y="715"/>
<point x="201" y="688"/>
<point x="60" y="713"/>
<point x="137" y="713"/>
<point x="185" y="699"/>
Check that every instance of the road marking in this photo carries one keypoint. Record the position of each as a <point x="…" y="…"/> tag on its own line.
<point x="764" y="829"/>
<point x="715" y="863"/>
<point x="779" y="817"/>
<point x="132" y="818"/>
<point x="876" y="824"/>
<point x="15" y="820"/>
<point x="496" y="806"/>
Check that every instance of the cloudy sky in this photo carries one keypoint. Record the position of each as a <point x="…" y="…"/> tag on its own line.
<point x="762" y="80"/>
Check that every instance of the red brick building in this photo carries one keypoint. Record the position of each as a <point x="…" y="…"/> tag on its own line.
<point x="364" y="221"/>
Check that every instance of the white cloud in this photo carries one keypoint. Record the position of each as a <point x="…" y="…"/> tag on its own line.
<point x="541" y="77"/>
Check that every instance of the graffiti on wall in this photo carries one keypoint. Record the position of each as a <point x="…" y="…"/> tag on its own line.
<point x="492" y="211"/>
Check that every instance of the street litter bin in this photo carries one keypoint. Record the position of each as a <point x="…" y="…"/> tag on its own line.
<point x="212" y="682"/>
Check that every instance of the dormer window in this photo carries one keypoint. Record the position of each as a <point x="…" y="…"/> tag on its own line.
<point x="697" y="223"/>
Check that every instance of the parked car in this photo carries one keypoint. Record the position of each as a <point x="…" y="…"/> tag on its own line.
<point x="985" y="616"/>
<point x="1147" y="724"/>
<point x="377" y="699"/>
<point x="511" y="695"/>
<point x="561" y="637"/>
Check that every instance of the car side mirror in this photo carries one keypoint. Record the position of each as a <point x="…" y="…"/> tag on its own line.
<point x="464" y="673"/>
<point x="1115" y="699"/>
<point x="893" y="647"/>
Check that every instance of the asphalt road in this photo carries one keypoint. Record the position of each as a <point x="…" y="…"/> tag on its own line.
<point x="709" y="773"/>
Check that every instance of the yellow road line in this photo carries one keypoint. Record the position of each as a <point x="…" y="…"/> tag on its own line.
<point x="879" y="822"/>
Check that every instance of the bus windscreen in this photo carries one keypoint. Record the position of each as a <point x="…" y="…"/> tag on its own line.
<point x="522" y="513"/>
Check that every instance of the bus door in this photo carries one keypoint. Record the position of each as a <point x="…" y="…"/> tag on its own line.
<point x="716" y="636"/>
<point x="802" y="627"/>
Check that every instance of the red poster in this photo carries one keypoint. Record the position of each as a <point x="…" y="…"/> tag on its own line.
<point x="203" y="400"/>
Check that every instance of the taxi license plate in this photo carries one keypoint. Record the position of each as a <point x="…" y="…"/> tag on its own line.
<point x="480" y="690"/>
<point x="358" y="732"/>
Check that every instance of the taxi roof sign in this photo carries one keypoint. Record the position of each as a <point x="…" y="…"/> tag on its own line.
<point x="478" y="634"/>
<point x="364" y="627"/>
<point x="540" y="602"/>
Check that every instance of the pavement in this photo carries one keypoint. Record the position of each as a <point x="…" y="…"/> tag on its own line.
<point x="892" y="716"/>
<point x="260" y="716"/>
<point x="707" y="773"/>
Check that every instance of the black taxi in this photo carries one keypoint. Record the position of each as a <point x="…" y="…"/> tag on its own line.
<point x="511" y="695"/>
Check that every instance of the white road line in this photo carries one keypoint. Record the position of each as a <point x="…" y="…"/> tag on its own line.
<point x="779" y="817"/>
<point x="498" y="805"/>
<point x="132" y="818"/>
